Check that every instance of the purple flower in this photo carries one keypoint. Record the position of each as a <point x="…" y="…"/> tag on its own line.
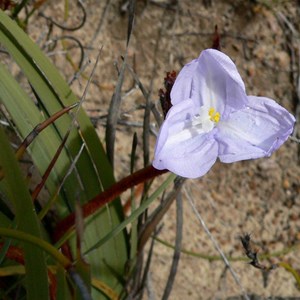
<point x="213" y="117"/>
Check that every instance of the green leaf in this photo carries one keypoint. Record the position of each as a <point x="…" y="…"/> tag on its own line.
<point x="134" y="215"/>
<point x="93" y="171"/>
<point x="26" y="219"/>
<point x="36" y="242"/>
<point x="53" y="94"/>
<point x="26" y="116"/>
<point x="62" y="286"/>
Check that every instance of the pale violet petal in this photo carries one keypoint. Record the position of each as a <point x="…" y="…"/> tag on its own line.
<point x="224" y="62"/>
<point x="185" y="143"/>
<point x="211" y="80"/>
<point x="182" y="88"/>
<point x="255" y="131"/>
<point x="221" y="82"/>
<point x="190" y="159"/>
<point x="181" y="132"/>
<point x="175" y="121"/>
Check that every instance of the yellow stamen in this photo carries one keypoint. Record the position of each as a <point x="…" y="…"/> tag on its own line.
<point x="217" y="117"/>
<point x="214" y="116"/>
<point x="211" y="112"/>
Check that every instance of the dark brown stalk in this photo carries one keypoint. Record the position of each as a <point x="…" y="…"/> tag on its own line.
<point x="39" y="187"/>
<point x="40" y="127"/>
<point x="216" y="39"/>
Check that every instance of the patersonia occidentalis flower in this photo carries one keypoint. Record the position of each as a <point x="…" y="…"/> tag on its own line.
<point x="213" y="117"/>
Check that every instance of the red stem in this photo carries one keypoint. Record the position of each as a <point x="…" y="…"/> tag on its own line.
<point x="16" y="254"/>
<point x="106" y="197"/>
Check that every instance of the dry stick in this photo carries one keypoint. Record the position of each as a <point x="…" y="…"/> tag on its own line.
<point x="115" y="103"/>
<point x="145" y="278"/>
<point x="291" y="36"/>
<point x="211" y="258"/>
<point x="217" y="247"/>
<point x="112" y="118"/>
<point x="294" y="139"/>
<point x="145" y="93"/>
<point x="68" y="57"/>
<point x="146" y="119"/>
<point x="177" y="250"/>
<point x="151" y="223"/>
<point x="84" y="291"/>
<point x="79" y="73"/>
<point x="150" y="226"/>
<point x="146" y="127"/>
<point x="80" y="25"/>
<point x="100" y="24"/>
<point x="106" y="197"/>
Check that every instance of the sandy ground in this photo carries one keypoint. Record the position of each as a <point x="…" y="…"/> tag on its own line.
<point x="259" y="197"/>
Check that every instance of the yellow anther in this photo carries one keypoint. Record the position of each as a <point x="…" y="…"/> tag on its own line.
<point x="214" y="116"/>
<point x="211" y="112"/>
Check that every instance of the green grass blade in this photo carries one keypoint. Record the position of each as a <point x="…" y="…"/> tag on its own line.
<point x="26" y="116"/>
<point x="35" y="263"/>
<point x="62" y="286"/>
<point x="36" y="242"/>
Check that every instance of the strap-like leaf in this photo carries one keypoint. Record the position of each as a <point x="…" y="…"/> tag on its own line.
<point x="26" y="219"/>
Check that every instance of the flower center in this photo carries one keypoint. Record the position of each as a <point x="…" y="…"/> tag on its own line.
<point x="203" y="122"/>
<point x="214" y="115"/>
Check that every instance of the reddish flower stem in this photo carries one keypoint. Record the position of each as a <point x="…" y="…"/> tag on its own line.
<point x="106" y="197"/>
<point x="16" y="254"/>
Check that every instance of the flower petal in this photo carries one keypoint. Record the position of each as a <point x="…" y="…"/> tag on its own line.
<point x="174" y="122"/>
<point x="255" y="131"/>
<point x="184" y="146"/>
<point x="182" y="88"/>
<point x="211" y="80"/>
<point x="191" y="159"/>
